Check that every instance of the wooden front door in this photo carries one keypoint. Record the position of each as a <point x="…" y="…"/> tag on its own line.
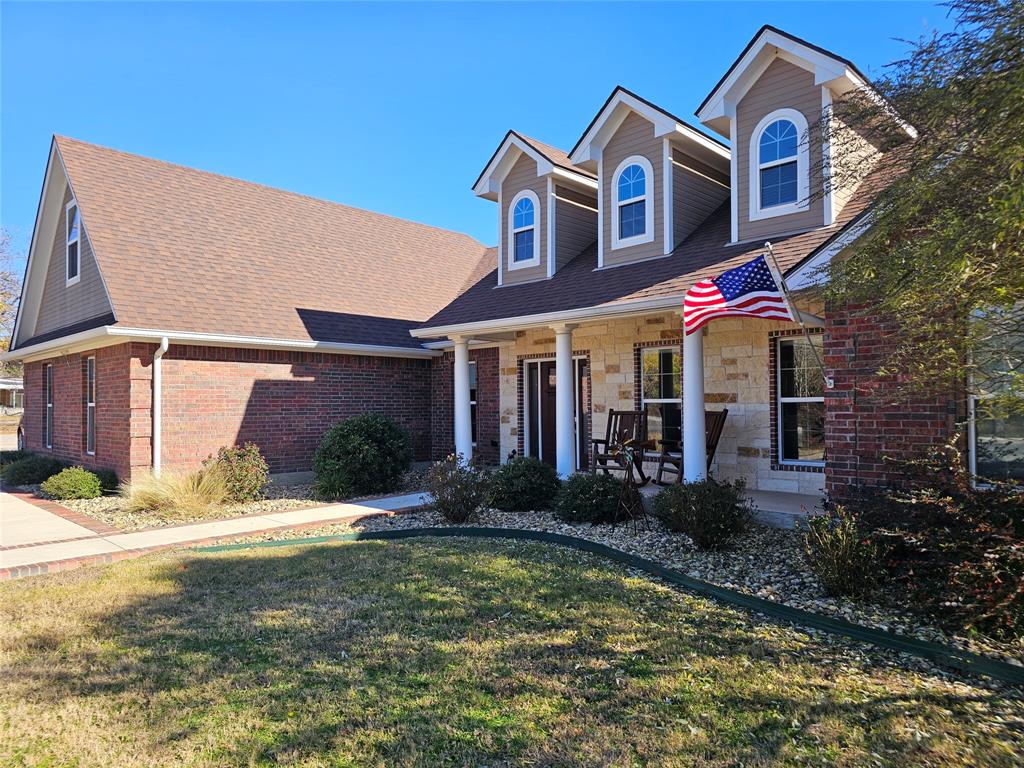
<point x="541" y="384"/>
<point x="548" y="384"/>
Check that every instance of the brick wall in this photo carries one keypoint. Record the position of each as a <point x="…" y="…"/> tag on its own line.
<point x="868" y="423"/>
<point x="442" y="377"/>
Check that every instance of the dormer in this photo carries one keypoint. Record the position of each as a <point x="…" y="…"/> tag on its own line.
<point x="771" y="104"/>
<point x="546" y="208"/>
<point x="658" y="178"/>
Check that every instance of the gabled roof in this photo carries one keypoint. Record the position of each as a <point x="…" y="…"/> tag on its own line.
<point x="613" y="112"/>
<point x="183" y="250"/>
<point x="547" y="157"/>
<point x="579" y="290"/>
<point x="830" y="69"/>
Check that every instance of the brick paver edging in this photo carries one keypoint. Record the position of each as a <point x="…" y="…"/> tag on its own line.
<point x="938" y="653"/>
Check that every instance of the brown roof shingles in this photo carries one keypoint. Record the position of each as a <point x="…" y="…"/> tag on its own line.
<point x="185" y="250"/>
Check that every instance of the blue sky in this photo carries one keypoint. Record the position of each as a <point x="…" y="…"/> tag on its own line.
<point x="390" y="107"/>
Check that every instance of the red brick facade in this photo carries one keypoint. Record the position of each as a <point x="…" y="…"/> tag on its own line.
<point x="868" y="423"/>
<point x="488" y="439"/>
<point x="282" y="401"/>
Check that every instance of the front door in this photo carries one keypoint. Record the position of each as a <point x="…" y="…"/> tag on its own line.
<point x="541" y="385"/>
<point x="548" y="383"/>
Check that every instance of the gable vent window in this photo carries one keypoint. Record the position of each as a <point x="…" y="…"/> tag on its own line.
<point x="633" y="211"/>
<point x="524" y="245"/>
<point x="74" y="237"/>
<point x="777" y="165"/>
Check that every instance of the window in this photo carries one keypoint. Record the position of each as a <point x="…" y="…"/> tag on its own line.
<point x="996" y="415"/>
<point x="633" y="211"/>
<point x="90" y="405"/>
<point x="801" y="401"/>
<point x="74" y="237"/>
<point x="660" y="390"/>
<point x="524" y="245"/>
<point x="779" y="165"/>
<point x="472" y="400"/>
<point x="48" y="418"/>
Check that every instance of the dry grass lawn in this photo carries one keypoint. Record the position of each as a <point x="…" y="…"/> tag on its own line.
<point x="453" y="652"/>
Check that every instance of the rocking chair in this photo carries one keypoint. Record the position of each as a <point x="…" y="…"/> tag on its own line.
<point x="625" y="429"/>
<point x="671" y="458"/>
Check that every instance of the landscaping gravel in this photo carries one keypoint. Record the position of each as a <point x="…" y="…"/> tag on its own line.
<point x="767" y="562"/>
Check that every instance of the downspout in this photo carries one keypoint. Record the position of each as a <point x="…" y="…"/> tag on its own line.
<point x="157" y="388"/>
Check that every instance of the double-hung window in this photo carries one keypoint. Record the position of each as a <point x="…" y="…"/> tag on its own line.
<point x="660" y="389"/>
<point x="48" y="416"/>
<point x="472" y="400"/>
<point x="996" y="415"/>
<point x="801" y="401"/>
<point x="777" y="164"/>
<point x="73" y="230"/>
<point x="633" y="202"/>
<point x="90" y="405"/>
<point x="523" y="226"/>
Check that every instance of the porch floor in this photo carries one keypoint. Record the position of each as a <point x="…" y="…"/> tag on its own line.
<point x="779" y="509"/>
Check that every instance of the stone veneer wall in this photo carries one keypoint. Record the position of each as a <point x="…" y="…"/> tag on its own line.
<point x="737" y="371"/>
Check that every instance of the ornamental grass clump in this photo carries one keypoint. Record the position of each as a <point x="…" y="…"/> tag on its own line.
<point x="845" y="561"/>
<point x="711" y="512"/>
<point x="178" y="496"/>
<point x="72" y="483"/>
<point x="245" y="471"/>
<point x="523" y="484"/>
<point x="360" y="456"/>
<point x="459" y="488"/>
<point x="586" y="498"/>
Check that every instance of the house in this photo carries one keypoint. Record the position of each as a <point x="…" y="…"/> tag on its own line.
<point x="12" y="395"/>
<point x="167" y="311"/>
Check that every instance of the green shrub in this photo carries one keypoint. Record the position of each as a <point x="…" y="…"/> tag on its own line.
<point x="9" y="457"/>
<point x="108" y="480"/>
<point x="459" y="489"/>
<point x="72" y="483"/>
<point x="844" y="560"/>
<point x="175" y="496"/>
<point x="362" y="455"/>
<point x="31" y="470"/>
<point x="586" y="498"/>
<point x="245" y="471"/>
<point x="523" y="484"/>
<point x="711" y="512"/>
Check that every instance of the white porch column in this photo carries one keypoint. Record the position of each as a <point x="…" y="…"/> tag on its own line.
<point x="694" y="453"/>
<point x="565" y="387"/>
<point x="463" y="424"/>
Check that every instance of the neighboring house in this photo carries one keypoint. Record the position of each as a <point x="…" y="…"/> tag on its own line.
<point x="12" y="395"/>
<point x="168" y="311"/>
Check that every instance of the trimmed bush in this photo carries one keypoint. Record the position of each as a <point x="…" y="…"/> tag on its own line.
<point x="459" y="489"/>
<point x="108" y="480"/>
<point x="72" y="483"/>
<point x="711" y="512"/>
<point x="245" y="471"/>
<point x="362" y="455"/>
<point x="9" y="457"/>
<point x="843" y="559"/>
<point x="523" y="484"/>
<point x="192" y="495"/>
<point x="586" y="498"/>
<point x="31" y="470"/>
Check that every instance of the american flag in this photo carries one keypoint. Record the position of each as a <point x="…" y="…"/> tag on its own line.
<point x="749" y="290"/>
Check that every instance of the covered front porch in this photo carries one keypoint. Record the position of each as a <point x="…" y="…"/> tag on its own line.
<point x="771" y="439"/>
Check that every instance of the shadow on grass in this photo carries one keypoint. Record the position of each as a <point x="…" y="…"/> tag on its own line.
<point x="462" y="653"/>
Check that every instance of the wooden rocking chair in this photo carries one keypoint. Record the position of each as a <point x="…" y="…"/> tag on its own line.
<point x="624" y="429"/>
<point x="671" y="458"/>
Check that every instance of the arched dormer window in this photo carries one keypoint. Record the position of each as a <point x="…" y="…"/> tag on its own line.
<point x="633" y="202"/>
<point x="779" y="165"/>
<point x="524" y="230"/>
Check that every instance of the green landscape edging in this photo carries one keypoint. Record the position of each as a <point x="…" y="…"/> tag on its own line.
<point x="936" y="652"/>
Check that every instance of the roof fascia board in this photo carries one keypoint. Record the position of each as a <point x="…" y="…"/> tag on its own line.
<point x="503" y="160"/>
<point x="811" y="271"/>
<point x="601" y="311"/>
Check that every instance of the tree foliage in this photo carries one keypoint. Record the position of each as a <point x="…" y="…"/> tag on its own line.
<point x="945" y="253"/>
<point x="10" y="290"/>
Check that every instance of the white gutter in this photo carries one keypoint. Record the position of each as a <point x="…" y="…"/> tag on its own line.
<point x="158" y="357"/>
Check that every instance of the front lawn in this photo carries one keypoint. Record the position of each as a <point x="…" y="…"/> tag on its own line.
<point x="449" y="652"/>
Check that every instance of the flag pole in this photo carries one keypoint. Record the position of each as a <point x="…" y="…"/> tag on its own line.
<point x="781" y="282"/>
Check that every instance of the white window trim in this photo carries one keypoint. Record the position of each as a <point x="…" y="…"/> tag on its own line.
<point x="644" y="400"/>
<point x="511" y="240"/>
<point x="68" y="280"/>
<point x="48" y="417"/>
<point x="90" y="406"/>
<point x="803" y="166"/>
<point x="648" y="197"/>
<point x="779" y="400"/>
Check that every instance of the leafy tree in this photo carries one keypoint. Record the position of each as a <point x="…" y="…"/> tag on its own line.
<point x="10" y="290"/>
<point x="944" y="256"/>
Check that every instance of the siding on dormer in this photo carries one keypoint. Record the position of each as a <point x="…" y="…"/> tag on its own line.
<point x="634" y="137"/>
<point x="695" y="195"/>
<point x="782" y="85"/>
<point x="523" y="175"/>
<point x="575" y="224"/>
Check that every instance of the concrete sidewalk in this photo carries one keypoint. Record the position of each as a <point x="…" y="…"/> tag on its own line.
<point x="22" y="523"/>
<point x="89" y="548"/>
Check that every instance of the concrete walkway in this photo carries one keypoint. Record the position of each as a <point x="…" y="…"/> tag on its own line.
<point x="89" y="547"/>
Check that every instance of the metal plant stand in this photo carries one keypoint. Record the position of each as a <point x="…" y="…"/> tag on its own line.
<point x="631" y="506"/>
